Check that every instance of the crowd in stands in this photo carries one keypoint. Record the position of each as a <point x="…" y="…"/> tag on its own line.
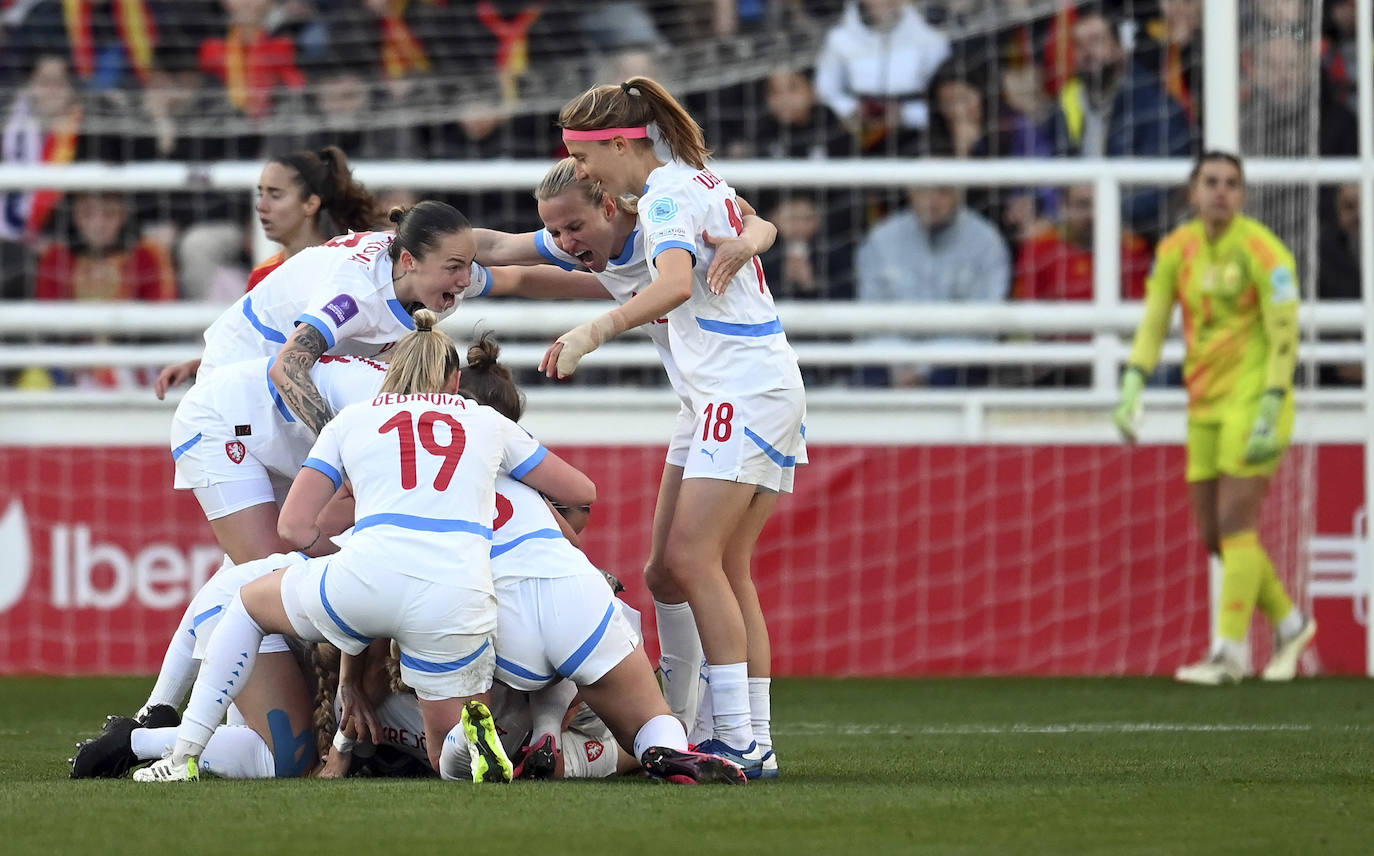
<point x="127" y="81"/>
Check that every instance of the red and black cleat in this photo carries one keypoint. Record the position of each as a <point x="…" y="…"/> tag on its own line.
<point x="540" y="760"/>
<point x="690" y="768"/>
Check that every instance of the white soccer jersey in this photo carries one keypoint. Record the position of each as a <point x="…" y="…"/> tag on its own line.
<point x="526" y="540"/>
<point x="729" y="343"/>
<point x="623" y="277"/>
<point x="243" y="403"/>
<point x="423" y="469"/>
<point x="342" y="288"/>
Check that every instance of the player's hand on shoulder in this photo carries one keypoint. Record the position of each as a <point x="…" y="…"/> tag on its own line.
<point x="732" y="253"/>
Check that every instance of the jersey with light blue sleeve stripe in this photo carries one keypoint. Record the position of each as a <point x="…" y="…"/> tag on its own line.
<point x="423" y="470"/>
<point x="623" y="277"/>
<point x="343" y="289"/>
<point x="527" y="541"/>
<point x="729" y="343"/>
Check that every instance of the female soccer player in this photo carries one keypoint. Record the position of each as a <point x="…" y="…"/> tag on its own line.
<point x="304" y="199"/>
<point x="585" y="225"/>
<point x="352" y="295"/>
<point x="1239" y="293"/>
<point x="744" y="384"/>
<point x="421" y="579"/>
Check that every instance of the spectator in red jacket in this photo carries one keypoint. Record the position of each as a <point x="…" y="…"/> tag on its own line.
<point x="251" y="62"/>
<point x="1057" y="264"/>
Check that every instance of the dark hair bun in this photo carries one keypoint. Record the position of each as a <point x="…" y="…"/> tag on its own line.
<point x="397" y="214"/>
<point x="484" y="352"/>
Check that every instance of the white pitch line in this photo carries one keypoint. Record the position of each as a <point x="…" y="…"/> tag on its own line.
<point x="802" y="729"/>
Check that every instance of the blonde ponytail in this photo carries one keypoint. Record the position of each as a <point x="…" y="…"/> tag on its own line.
<point x="423" y="360"/>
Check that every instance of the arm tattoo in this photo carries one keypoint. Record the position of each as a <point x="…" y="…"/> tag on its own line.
<point x="297" y="389"/>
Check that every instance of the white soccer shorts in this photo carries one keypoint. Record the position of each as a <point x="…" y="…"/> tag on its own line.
<point x="444" y="632"/>
<point x="757" y="439"/>
<point x="568" y="626"/>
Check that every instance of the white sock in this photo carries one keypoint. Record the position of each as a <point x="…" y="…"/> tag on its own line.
<point x="229" y="657"/>
<point x="761" y="712"/>
<point x="705" y="724"/>
<point x="730" y="704"/>
<point x="178" y="670"/>
<point x="455" y="762"/>
<point x="680" y="648"/>
<point x="548" y="707"/>
<point x="663" y="730"/>
<point x="150" y="744"/>
<point x="238" y="752"/>
<point x="1291" y="624"/>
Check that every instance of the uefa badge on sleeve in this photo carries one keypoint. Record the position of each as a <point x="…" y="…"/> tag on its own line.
<point x="235" y="450"/>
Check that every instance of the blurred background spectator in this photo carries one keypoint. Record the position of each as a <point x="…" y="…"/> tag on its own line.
<point x="937" y="252"/>
<point x="105" y="258"/>
<point x="1115" y="107"/>
<point x="1057" y="263"/>
<point x="874" y="68"/>
<point x="42" y="126"/>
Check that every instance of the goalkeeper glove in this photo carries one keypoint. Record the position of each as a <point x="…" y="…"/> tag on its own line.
<point x="1264" y="444"/>
<point x="1127" y="412"/>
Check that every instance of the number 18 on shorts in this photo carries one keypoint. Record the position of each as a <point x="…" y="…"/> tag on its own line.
<point x="759" y="438"/>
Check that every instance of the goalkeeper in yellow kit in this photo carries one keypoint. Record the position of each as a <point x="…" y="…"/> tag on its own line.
<point x="1235" y="281"/>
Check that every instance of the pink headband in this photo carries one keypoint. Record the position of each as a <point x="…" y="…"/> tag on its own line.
<point x="607" y="134"/>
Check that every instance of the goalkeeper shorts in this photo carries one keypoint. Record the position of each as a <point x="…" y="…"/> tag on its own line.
<point x="1217" y="448"/>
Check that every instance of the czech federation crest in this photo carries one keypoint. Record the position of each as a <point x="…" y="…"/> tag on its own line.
<point x="235" y="450"/>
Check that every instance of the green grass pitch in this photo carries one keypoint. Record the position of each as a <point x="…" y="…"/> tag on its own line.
<point x="1119" y="766"/>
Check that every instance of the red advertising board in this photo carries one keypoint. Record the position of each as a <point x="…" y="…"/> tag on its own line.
<point x="888" y="561"/>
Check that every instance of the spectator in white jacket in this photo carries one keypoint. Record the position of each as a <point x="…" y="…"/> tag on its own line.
<point x="874" y="67"/>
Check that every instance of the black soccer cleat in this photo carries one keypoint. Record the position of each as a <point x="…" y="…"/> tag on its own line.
<point x="690" y="768"/>
<point x="159" y="716"/>
<point x="107" y="755"/>
<point x="540" y="760"/>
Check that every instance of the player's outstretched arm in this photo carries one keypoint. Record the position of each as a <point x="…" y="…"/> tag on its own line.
<point x="672" y="289"/>
<point x="504" y="248"/>
<point x="546" y="282"/>
<point x="291" y="374"/>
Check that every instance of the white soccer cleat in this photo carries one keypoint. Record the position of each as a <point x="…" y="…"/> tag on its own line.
<point x="1215" y="671"/>
<point x="1283" y="666"/>
<point x="168" y="771"/>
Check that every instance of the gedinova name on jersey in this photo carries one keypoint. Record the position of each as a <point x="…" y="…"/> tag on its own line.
<point x="438" y="398"/>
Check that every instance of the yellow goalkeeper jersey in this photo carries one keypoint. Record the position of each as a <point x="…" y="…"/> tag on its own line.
<point x="1240" y="314"/>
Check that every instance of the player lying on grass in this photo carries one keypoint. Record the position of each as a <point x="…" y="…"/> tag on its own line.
<point x="592" y="750"/>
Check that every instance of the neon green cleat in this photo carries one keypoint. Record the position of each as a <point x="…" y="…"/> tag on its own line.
<point x="489" y="761"/>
